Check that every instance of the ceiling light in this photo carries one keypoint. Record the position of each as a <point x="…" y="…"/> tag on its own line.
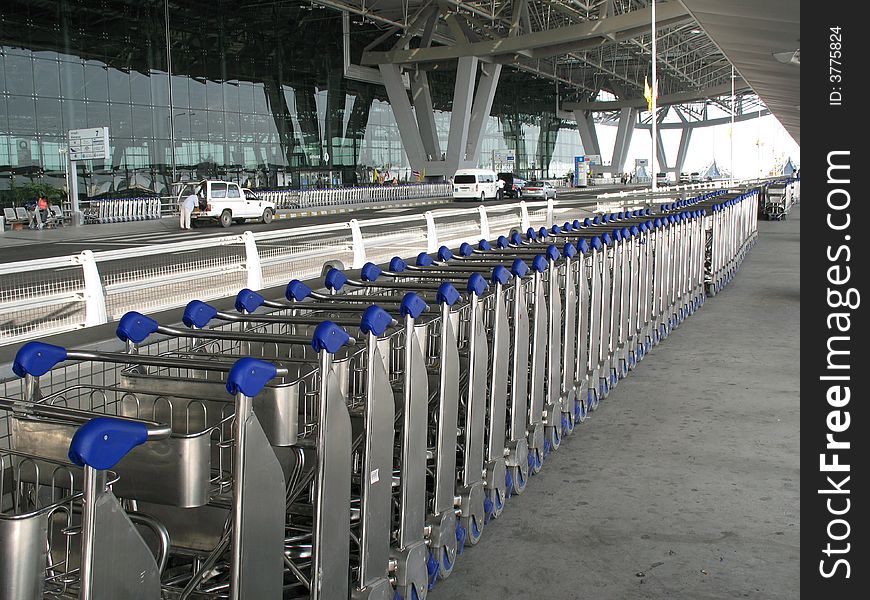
<point x="789" y="58"/>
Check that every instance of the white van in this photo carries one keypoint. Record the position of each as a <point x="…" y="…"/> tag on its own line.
<point x="475" y="184"/>
<point x="661" y="179"/>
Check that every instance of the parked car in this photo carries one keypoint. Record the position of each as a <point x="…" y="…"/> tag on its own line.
<point x="684" y="178"/>
<point x="226" y="203"/>
<point x="474" y="184"/>
<point x="661" y="178"/>
<point x="540" y="189"/>
<point x="695" y="177"/>
<point x="513" y="185"/>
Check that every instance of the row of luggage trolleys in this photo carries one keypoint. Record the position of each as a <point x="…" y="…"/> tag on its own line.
<point x="346" y="443"/>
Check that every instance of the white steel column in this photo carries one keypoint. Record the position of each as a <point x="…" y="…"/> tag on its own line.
<point x="422" y="101"/>
<point x="480" y="112"/>
<point x="623" y="139"/>
<point x="586" y="127"/>
<point x="408" y="129"/>
<point x="463" y="92"/>
<point x="683" y="150"/>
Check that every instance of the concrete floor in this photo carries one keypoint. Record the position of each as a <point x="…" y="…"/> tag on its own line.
<point x="685" y="483"/>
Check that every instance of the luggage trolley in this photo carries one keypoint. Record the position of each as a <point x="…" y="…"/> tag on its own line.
<point x="405" y="355"/>
<point x="567" y="282"/>
<point x="60" y="520"/>
<point x="365" y="386"/>
<point x="545" y="409"/>
<point x="474" y="500"/>
<point x="510" y="313"/>
<point x="254" y="498"/>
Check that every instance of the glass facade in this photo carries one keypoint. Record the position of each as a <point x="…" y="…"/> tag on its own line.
<point x="247" y="92"/>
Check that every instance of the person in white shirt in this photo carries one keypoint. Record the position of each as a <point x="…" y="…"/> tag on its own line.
<point x="185" y="209"/>
<point x="500" y="183"/>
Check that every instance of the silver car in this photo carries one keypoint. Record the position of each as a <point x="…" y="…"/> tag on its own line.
<point x="539" y="189"/>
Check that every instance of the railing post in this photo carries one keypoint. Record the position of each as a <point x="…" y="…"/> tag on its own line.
<point x="550" y="208"/>
<point x="484" y="222"/>
<point x="431" y="233"/>
<point x="95" y="297"/>
<point x="359" y="249"/>
<point x="252" y="262"/>
<point x="524" y="216"/>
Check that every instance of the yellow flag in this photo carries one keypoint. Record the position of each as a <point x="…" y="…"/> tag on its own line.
<point x="647" y="93"/>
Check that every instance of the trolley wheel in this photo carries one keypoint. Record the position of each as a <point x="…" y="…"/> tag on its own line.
<point x="580" y="410"/>
<point x="495" y="502"/>
<point x="536" y="460"/>
<point x="553" y="436"/>
<point x="446" y="562"/>
<point x="567" y="423"/>
<point x="519" y="477"/>
<point x="473" y="529"/>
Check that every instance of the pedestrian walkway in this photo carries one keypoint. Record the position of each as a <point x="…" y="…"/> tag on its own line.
<point x="685" y="483"/>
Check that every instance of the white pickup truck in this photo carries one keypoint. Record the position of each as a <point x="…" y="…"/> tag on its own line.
<point x="227" y="203"/>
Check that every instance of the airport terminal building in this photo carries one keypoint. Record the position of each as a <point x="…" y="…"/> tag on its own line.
<point x="265" y="93"/>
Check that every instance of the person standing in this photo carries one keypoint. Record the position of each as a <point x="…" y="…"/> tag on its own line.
<point x="185" y="209"/>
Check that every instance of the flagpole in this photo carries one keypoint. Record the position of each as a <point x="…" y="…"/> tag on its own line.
<point x="655" y="89"/>
<point x="731" y="136"/>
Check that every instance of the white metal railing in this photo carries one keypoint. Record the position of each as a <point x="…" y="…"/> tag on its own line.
<point x="122" y="210"/>
<point x="45" y="296"/>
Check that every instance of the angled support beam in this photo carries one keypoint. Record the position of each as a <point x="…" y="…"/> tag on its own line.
<point x="408" y="129"/>
<point x="425" y="114"/>
<point x="678" y="98"/>
<point x="623" y="138"/>
<point x="541" y="43"/>
<point x="588" y="135"/>
<point x="660" y="153"/>
<point x="683" y="150"/>
<point x="463" y="91"/>
<point x="480" y="111"/>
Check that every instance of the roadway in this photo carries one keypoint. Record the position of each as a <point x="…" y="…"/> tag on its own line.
<point x="66" y="241"/>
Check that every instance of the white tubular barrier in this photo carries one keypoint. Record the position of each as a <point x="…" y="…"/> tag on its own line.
<point x="53" y="295"/>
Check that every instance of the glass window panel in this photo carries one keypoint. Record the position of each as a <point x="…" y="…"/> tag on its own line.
<point x="121" y="120"/>
<point x="260" y="99"/>
<point x="159" y="81"/>
<point x="181" y="125"/>
<point x="96" y="81"/>
<point x="196" y="89"/>
<point x="98" y="114"/>
<point x="22" y="114"/>
<point x="231" y="96"/>
<point x="75" y="114"/>
<point x="140" y="88"/>
<point x="231" y="123"/>
<point x="46" y="77"/>
<point x="233" y="192"/>
<point x="160" y="122"/>
<point x="119" y="86"/>
<point x="180" y="96"/>
<point x="246" y="97"/>
<point x="142" y="122"/>
<point x="215" y="95"/>
<point x="19" y="74"/>
<point x="198" y="125"/>
<point x="72" y="80"/>
<point x="216" y="131"/>
<point x="4" y="120"/>
<point x="48" y="116"/>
